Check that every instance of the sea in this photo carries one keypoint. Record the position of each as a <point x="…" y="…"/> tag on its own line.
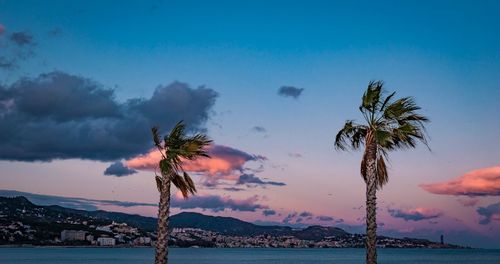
<point x="44" y="255"/>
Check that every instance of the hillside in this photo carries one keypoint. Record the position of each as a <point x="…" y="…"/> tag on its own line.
<point x="22" y="222"/>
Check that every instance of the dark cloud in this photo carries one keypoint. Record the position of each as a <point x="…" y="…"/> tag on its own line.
<point x="6" y="63"/>
<point x="259" y="129"/>
<point x="17" y="48"/>
<point x="306" y="214"/>
<point x="289" y="217"/>
<point x="490" y="212"/>
<point x="22" y="38"/>
<point x="62" y="98"/>
<point x="217" y="203"/>
<point x="268" y="212"/>
<point x="324" y="218"/>
<point x="63" y="116"/>
<point x="71" y="202"/>
<point x="119" y="170"/>
<point x="417" y="214"/>
<point x="232" y="189"/>
<point x="252" y="179"/>
<point x="225" y="151"/>
<point x="290" y="91"/>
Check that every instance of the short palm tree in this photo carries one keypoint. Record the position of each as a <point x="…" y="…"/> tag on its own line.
<point x="390" y="125"/>
<point x="174" y="148"/>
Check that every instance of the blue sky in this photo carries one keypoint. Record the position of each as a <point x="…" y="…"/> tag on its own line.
<point x="446" y="54"/>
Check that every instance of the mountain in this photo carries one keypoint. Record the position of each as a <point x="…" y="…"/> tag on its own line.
<point x="219" y="224"/>
<point x="143" y="222"/>
<point x="319" y="232"/>
<point x="225" y="225"/>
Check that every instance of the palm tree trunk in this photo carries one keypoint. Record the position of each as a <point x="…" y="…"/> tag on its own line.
<point x="163" y="218"/>
<point x="371" y="205"/>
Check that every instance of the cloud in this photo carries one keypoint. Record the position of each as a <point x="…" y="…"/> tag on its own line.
<point x="490" y="212"/>
<point x="289" y="217"/>
<point x="18" y="47"/>
<point x="71" y="202"/>
<point x="324" y="218"/>
<point x="290" y="91"/>
<point x="268" y="212"/>
<point x="468" y="202"/>
<point x="259" y="129"/>
<point x="22" y="38"/>
<point x="251" y="179"/>
<point x="119" y="170"/>
<point x="217" y="203"/>
<point x="232" y="189"/>
<point x="481" y="182"/>
<point x="416" y="214"/>
<point x="63" y="116"/>
<point x="306" y="214"/>
<point x="295" y="155"/>
<point x="226" y="163"/>
<point x="6" y="63"/>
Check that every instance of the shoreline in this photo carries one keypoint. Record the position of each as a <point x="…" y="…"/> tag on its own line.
<point x="41" y="246"/>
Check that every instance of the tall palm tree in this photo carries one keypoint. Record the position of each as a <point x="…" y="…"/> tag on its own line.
<point x="174" y="148"/>
<point x="390" y="125"/>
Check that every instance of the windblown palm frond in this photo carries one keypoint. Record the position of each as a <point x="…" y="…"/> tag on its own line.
<point x="391" y="125"/>
<point x="177" y="147"/>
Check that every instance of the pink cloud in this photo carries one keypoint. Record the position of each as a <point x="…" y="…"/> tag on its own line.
<point x="226" y="163"/>
<point x="479" y="182"/>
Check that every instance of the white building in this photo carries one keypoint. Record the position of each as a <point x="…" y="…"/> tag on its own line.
<point x="106" y="241"/>
<point x="104" y="229"/>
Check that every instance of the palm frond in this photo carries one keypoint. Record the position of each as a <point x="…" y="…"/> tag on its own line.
<point x="351" y="135"/>
<point x="156" y="137"/>
<point x="190" y="183"/>
<point x="184" y="183"/>
<point x="382" y="175"/>
<point x="159" y="182"/>
<point x="178" y="147"/>
<point x="371" y="98"/>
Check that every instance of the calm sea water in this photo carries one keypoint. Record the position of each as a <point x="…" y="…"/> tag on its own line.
<point x="227" y="256"/>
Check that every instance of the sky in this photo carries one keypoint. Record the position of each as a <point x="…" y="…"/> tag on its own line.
<point x="271" y="82"/>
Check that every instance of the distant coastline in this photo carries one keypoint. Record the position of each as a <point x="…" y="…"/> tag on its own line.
<point x="24" y="224"/>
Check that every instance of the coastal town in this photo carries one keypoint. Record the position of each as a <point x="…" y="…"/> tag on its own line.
<point x="23" y="223"/>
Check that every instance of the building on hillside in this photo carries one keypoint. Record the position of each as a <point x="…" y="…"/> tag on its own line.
<point x="142" y="241"/>
<point x="68" y="235"/>
<point x="106" y="241"/>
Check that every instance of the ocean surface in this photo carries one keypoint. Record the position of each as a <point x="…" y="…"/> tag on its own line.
<point x="233" y="255"/>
